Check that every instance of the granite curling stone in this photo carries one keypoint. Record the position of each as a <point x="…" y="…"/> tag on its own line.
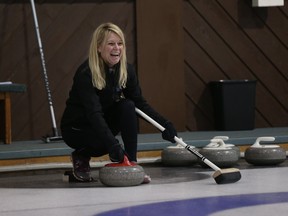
<point x="219" y="154"/>
<point x="265" y="154"/>
<point x="177" y="156"/>
<point x="225" y="138"/>
<point x="121" y="174"/>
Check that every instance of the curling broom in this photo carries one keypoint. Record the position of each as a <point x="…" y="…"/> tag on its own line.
<point x="56" y="136"/>
<point x="221" y="176"/>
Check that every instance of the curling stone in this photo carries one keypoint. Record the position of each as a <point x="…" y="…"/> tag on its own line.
<point x="225" y="138"/>
<point x="121" y="174"/>
<point x="265" y="154"/>
<point x="219" y="154"/>
<point x="177" y="156"/>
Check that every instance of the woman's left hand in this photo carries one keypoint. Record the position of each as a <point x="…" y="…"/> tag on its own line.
<point x="169" y="133"/>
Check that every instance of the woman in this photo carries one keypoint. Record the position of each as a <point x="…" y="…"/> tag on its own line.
<point x="102" y="103"/>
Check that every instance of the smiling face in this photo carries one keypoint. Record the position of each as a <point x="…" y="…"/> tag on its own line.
<point x="111" y="49"/>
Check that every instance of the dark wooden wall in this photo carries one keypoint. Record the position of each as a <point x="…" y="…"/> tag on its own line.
<point x="66" y="28"/>
<point x="184" y="45"/>
<point x="160" y="58"/>
<point x="226" y="39"/>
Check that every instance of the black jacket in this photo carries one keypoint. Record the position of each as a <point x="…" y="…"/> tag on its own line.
<point x="86" y="104"/>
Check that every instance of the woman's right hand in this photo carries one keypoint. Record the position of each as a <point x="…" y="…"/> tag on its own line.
<point x="116" y="153"/>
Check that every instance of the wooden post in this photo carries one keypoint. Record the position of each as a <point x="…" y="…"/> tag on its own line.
<point x="5" y="96"/>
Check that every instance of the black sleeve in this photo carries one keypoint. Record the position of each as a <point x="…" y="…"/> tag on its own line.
<point x="90" y="101"/>
<point x="133" y="92"/>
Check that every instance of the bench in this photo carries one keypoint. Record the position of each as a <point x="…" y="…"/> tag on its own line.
<point x="5" y="90"/>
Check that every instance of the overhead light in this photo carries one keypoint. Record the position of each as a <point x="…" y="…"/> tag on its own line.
<point x="267" y="3"/>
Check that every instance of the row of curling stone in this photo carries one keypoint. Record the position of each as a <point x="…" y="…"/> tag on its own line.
<point x="269" y="154"/>
<point x="225" y="155"/>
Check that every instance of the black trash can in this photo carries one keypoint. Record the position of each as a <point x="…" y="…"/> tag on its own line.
<point x="234" y="104"/>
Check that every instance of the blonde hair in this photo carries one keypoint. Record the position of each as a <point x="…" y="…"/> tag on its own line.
<point x="96" y="63"/>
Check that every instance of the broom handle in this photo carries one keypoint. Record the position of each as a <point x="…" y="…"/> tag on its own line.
<point x="46" y="81"/>
<point x="178" y="140"/>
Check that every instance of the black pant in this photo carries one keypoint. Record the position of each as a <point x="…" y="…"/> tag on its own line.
<point x="121" y="118"/>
